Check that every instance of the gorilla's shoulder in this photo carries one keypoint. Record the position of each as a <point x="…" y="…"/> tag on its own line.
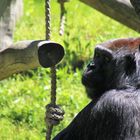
<point x="119" y="102"/>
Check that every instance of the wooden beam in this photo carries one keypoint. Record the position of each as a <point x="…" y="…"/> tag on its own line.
<point x="120" y="10"/>
<point x="136" y="5"/>
<point x="26" y="55"/>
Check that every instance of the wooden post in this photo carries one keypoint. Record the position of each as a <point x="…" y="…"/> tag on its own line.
<point x="120" y="10"/>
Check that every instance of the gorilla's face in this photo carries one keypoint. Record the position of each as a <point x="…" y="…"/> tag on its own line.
<point x="107" y="70"/>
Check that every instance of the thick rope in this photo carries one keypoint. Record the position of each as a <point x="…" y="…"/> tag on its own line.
<point x="48" y="19"/>
<point x="53" y="100"/>
<point x="53" y="69"/>
<point x="62" y="17"/>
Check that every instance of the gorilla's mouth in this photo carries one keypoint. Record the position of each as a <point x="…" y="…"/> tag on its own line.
<point x="93" y="83"/>
<point x="87" y="82"/>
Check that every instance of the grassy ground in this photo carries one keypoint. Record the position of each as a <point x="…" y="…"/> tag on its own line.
<point x="22" y="98"/>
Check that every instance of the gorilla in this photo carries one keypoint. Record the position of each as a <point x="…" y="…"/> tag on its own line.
<point x="112" y="82"/>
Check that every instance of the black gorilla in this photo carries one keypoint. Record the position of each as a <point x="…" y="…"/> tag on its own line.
<point x="112" y="81"/>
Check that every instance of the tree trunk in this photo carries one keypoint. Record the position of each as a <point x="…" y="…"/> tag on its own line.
<point x="3" y="6"/>
<point x="120" y="10"/>
<point x="10" y="11"/>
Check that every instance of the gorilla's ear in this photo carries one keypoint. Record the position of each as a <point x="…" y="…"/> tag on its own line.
<point x="130" y="64"/>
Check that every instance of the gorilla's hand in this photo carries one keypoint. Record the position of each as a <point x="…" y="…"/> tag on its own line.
<point x="54" y="114"/>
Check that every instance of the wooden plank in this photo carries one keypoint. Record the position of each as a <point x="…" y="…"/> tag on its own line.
<point x="120" y="10"/>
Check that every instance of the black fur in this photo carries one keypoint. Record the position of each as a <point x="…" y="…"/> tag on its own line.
<point x="112" y="82"/>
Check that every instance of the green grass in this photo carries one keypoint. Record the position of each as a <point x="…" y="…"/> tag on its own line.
<point x="23" y="98"/>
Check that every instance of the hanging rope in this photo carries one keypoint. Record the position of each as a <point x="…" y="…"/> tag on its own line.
<point x="53" y="69"/>
<point x="48" y="19"/>
<point x="62" y="16"/>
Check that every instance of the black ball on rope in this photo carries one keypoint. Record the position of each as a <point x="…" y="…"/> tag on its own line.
<point x="49" y="53"/>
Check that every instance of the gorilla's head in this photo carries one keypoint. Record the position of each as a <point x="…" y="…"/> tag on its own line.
<point x="115" y="65"/>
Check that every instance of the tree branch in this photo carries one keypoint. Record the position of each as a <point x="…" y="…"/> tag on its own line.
<point x="26" y="55"/>
<point x="120" y="10"/>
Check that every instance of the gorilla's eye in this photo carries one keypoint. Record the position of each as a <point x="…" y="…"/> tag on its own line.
<point x="91" y="65"/>
<point x="107" y="59"/>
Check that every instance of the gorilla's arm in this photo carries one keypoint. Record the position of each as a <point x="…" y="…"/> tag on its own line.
<point x="115" y="116"/>
<point x="74" y="131"/>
